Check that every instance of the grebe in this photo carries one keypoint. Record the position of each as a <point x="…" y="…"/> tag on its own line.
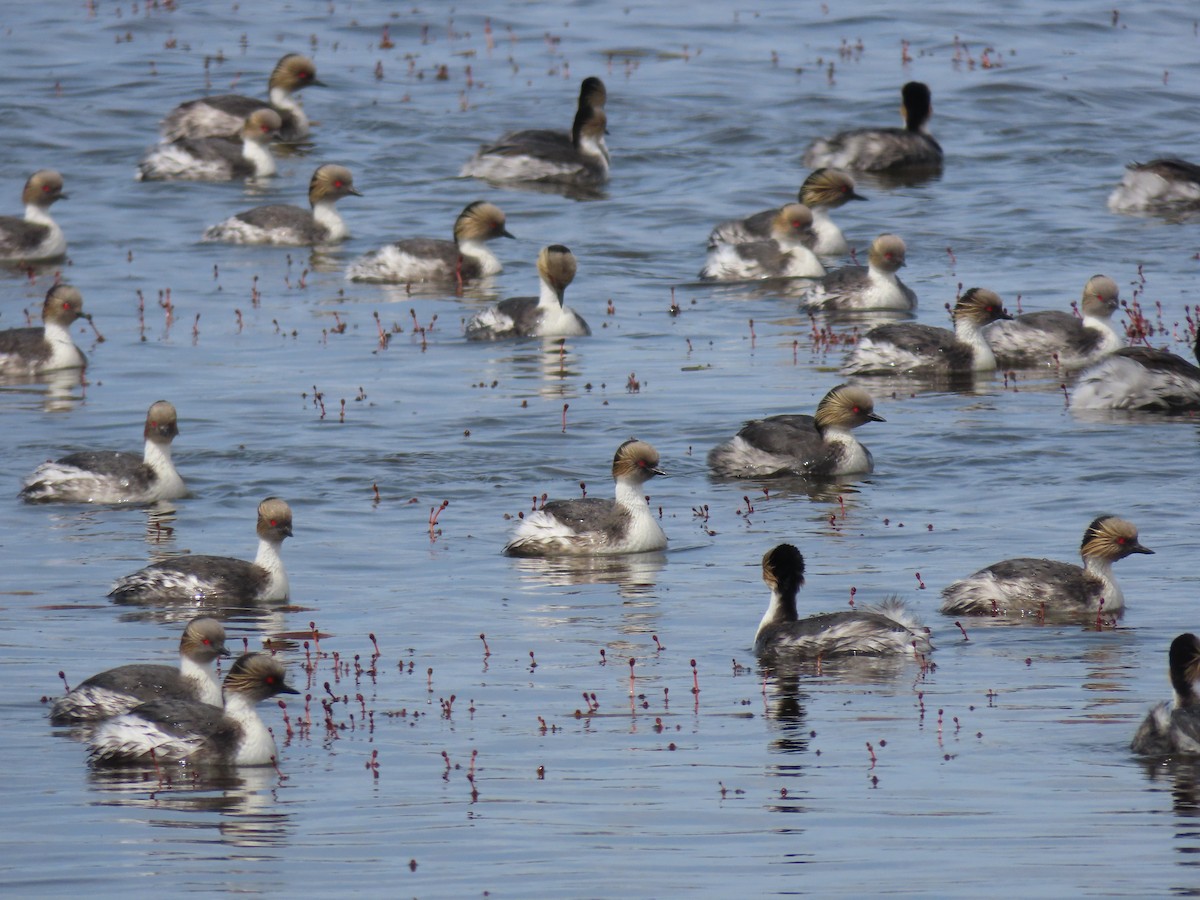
<point x="109" y="476"/>
<point x="884" y="149"/>
<point x="181" y="731"/>
<point x="820" y="445"/>
<point x="223" y="114"/>
<point x="541" y="316"/>
<point x="216" y="158"/>
<point x="1172" y="728"/>
<point x="874" y="631"/>
<point x="1159" y="186"/>
<point x="292" y="226"/>
<point x="1140" y="378"/>
<point x="1030" y="586"/>
<point x="36" y="237"/>
<point x="783" y="256"/>
<point x="874" y="286"/>
<point x="119" y="690"/>
<point x="595" y="527"/>
<point x="922" y="349"/>
<point x="218" y="579"/>
<point x="466" y="258"/>
<point x="32" y="351"/>
<point x="1060" y="339"/>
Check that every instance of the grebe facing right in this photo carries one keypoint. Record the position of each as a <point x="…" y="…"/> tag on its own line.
<point x="1140" y="378"/>
<point x="822" y="190"/>
<point x="541" y="316"/>
<point x="592" y="526"/>
<point x="1172" y="728"/>
<point x="783" y="256"/>
<point x="119" y="690"/>
<point x="218" y="579"/>
<point x="181" y="731"/>
<point x="874" y="286"/>
<point x="820" y="445"/>
<point x="909" y="347"/>
<point x="291" y="226"/>
<point x="36" y="237"/>
<point x="578" y="158"/>
<point x="1029" y="586"/>
<point x="884" y="149"/>
<point x="222" y="115"/>
<point x="33" y="351"/>
<point x="109" y="476"/>
<point x="1159" y="186"/>
<point x="216" y="158"/>
<point x="1060" y="339"/>
<point x="882" y="630"/>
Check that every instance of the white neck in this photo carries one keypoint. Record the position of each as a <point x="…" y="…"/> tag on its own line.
<point x="39" y="215"/>
<point x="326" y="215"/>
<point x="158" y="457"/>
<point x="256" y="746"/>
<point x="55" y="243"/>
<point x="259" y="156"/>
<point x="773" y="614"/>
<point x="548" y="298"/>
<point x="204" y="676"/>
<point x="630" y="496"/>
<point x="478" y="251"/>
<point x="595" y="148"/>
<point x="1102" y="569"/>
<point x="282" y="98"/>
<point x="968" y="333"/>
<point x="879" y="276"/>
<point x="63" y="352"/>
<point x="268" y="558"/>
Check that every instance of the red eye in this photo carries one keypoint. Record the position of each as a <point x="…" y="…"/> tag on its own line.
<point x="45" y="188"/>
<point x="796" y="223"/>
<point x="66" y="306"/>
<point x="856" y="409"/>
<point x="207" y="642"/>
<point x="337" y="184"/>
<point x="265" y="129"/>
<point x="270" y="679"/>
<point x="273" y="523"/>
<point x="1120" y="540"/>
<point x="306" y="74"/>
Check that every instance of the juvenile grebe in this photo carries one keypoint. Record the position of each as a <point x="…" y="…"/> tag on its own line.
<point x="874" y="286"/>
<point x="1172" y="728"/>
<point x="218" y="579"/>
<point x="119" y="690"/>
<point x="541" y="316"/>
<point x="182" y="731"/>
<point x="1140" y="378"/>
<point x="110" y="476"/>
<point x="216" y="158"/>
<point x="1159" y="186"/>
<point x="822" y="190"/>
<point x="1030" y="586"/>
<point x="31" y="351"/>
<point x="579" y="158"/>
<point x="783" y="256"/>
<point x="922" y="349"/>
<point x="594" y="527"/>
<point x="1060" y="339"/>
<point x="883" y="149"/>
<point x="36" y="237"/>
<point x="820" y="445"/>
<point x="223" y="114"/>
<point x="873" y="631"/>
<point x="466" y="258"/>
<point x="290" y="225"/>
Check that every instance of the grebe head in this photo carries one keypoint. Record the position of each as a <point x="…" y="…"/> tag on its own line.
<point x="258" y="677"/>
<point x="43" y="188"/>
<point x="828" y="188"/>
<point x="635" y="461"/>
<point x="980" y="306"/>
<point x="888" y="253"/>
<point x="63" y="305"/>
<point x="274" y="520"/>
<point x="203" y="640"/>
<point x="783" y="570"/>
<point x="480" y="221"/>
<point x="556" y="266"/>
<point x="262" y="126"/>
<point x="792" y="224"/>
<point x="162" y="423"/>
<point x="331" y="182"/>
<point x="917" y="105"/>
<point x="846" y="406"/>
<point x="1101" y="297"/>
<point x="593" y="93"/>
<point x="294" y="72"/>
<point x="1111" y="539"/>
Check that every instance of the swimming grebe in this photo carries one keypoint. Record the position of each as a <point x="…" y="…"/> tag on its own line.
<point x="1159" y="186"/>
<point x="1029" y="587"/>
<point x="182" y="731"/>
<point x="783" y="256"/>
<point x="579" y="158"/>
<point x="541" y="316"/>
<point x="1172" y="728"/>
<point x="222" y="115"/>
<point x="218" y="579"/>
<point x="822" y="190"/>
<point x="1140" y="378"/>
<point x="594" y="527"/>
<point x="910" y="347"/>
<point x="109" y="476"/>
<point x="36" y="237"/>
<point x="874" y="286"/>
<point x="290" y="225"/>
<point x="216" y="158"/>
<point x="820" y="445"/>
<point x="883" y="149"/>
<point x="31" y="351"/>
<point x="119" y="690"/>
<point x="466" y="258"/>
<point x="1060" y="339"/>
<point x="873" y="631"/>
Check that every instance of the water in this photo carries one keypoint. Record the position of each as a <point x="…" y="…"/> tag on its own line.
<point x="1006" y="765"/>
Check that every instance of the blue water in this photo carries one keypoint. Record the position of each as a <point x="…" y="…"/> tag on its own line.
<point x="1006" y="765"/>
